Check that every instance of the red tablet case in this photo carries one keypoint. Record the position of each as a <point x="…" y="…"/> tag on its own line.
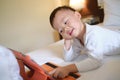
<point x="37" y="72"/>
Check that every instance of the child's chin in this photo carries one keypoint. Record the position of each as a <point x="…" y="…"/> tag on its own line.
<point x="69" y="38"/>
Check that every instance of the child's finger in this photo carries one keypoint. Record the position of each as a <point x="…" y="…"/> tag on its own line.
<point x="52" y="72"/>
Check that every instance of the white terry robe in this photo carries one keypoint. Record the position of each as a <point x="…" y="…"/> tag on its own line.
<point x="98" y="43"/>
<point x="9" y="69"/>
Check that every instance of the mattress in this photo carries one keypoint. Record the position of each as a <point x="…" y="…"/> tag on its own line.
<point x="54" y="53"/>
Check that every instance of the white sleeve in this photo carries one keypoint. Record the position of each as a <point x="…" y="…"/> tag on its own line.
<point x="68" y="54"/>
<point x="73" y="52"/>
<point x="88" y="64"/>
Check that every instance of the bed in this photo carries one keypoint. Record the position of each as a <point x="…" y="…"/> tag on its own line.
<point x="110" y="70"/>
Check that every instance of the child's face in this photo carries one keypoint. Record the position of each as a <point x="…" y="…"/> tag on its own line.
<point x="68" y="23"/>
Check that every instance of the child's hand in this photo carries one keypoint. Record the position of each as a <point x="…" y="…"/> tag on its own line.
<point x="67" y="44"/>
<point x="60" y="72"/>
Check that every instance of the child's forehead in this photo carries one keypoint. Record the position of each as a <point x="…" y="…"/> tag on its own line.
<point x="62" y="14"/>
<point x="64" y="11"/>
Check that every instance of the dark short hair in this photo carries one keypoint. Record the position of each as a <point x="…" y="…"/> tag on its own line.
<point x="52" y="15"/>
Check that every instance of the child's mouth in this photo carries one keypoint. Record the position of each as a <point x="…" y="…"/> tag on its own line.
<point x="71" y="32"/>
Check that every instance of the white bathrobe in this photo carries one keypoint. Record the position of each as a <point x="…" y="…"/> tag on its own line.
<point x="98" y="43"/>
<point x="9" y="69"/>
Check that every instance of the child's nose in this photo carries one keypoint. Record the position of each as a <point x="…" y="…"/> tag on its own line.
<point x="66" y="30"/>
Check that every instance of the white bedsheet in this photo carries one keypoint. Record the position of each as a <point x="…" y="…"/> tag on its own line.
<point x="115" y="28"/>
<point x="53" y="53"/>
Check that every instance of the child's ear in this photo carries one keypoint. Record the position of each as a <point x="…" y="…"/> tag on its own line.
<point x="77" y="14"/>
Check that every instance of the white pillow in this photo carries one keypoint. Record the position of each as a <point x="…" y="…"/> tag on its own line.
<point x="112" y="13"/>
<point x="9" y="68"/>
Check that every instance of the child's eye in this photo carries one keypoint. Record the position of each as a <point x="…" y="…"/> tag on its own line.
<point x="66" y="22"/>
<point x="60" y="31"/>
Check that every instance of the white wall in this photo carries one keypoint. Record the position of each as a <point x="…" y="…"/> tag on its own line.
<point x="24" y="24"/>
